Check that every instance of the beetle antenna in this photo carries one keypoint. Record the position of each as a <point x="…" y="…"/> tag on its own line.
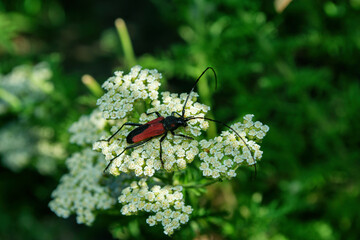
<point x="242" y="139"/>
<point x="192" y="89"/>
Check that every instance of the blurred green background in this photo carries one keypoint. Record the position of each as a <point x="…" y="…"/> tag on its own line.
<point x="295" y="66"/>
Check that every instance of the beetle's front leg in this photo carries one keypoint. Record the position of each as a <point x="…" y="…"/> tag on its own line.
<point x="157" y="113"/>
<point x="173" y="114"/>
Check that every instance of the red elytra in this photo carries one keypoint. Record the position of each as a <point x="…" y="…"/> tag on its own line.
<point x="151" y="129"/>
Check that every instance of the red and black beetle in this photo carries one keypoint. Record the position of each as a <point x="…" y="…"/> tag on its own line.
<point x="162" y="125"/>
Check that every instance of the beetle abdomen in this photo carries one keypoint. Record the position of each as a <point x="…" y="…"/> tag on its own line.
<point x="136" y="132"/>
<point x="145" y="131"/>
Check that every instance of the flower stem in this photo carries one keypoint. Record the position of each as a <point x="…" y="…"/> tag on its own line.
<point x="11" y="99"/>
<point x="92" y="85"/>
<point x="195" y="185"/>
<point x="125" y="41"/>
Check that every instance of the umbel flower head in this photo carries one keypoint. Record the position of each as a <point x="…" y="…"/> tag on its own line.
<point x="221" y="156"/>
<point x="83" y="191"/>
<point x="23" y="145"/>
<point x="166" y="204"/>
<point x="26" y="84"/>
<point x="80" y="191"/>
<point x="145" y="160"/>
<point x="125" y="90"/>
<point x="88" y="129"/>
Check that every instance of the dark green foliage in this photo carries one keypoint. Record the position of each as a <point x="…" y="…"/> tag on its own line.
<point x="297" y="71"/>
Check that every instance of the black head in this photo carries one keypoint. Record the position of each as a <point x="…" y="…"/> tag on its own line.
<point x="192" y="89"/>
<point x="171" y="123"/>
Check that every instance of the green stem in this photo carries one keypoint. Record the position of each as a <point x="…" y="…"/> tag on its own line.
<point x="13" y="100"/>
<point x="210" y="214"/>
<point x="92" y="85"/>
<point x="195" y="185"/>
<point x="165" y="177"/>
<point x="125" y="41"/>
<point x="170" y="177"/>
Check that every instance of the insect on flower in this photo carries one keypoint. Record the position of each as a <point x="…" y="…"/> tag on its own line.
<point x="161" y="126"/>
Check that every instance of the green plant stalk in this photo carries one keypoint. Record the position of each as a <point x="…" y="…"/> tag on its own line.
<point x="195" y="185"/>
<point x="92" y="85"/>
<point x="14" y="102"/>
<point x="125" y="42"/>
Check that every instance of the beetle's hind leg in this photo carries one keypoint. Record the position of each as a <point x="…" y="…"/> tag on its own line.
<point x="127" y="124"/>
<point x="128" y="147"/>
<point x="161" y="140"/>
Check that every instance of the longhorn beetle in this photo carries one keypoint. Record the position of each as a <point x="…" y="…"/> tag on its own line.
<point x="162" y="125"/>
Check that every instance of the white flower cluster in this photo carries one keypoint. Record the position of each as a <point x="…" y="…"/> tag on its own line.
<point x="177" y="151"/>
<point x="88" y="129"/>
<point x="27" y="83"/>
<point x="124" y="90"/>
<point x="222" y="155"/>
<point x="22" y="146"/>
<point x="166" y="203"/>
<point x="49" y="154"/>
<point x="79" y="191"/>
<point x="16" y="146"/>
<point x="254" y="130"/>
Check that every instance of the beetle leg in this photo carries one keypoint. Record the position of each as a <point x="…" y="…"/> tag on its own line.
<point x="128" y="123"/>
<point x="128" y="147"/>
<point x="157" y="113"/>
<point x="182" y="135"/>
<point x="162" y="139"/>
<point x="173" y="114"/>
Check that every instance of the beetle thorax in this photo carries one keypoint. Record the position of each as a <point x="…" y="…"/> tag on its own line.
<point x="171" y="123"/>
